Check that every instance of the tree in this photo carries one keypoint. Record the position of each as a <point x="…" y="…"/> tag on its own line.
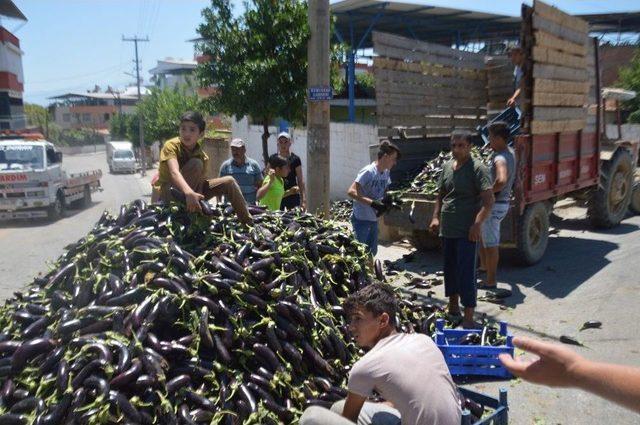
<point x="37" y="116"/>
<point x="258" y="60"/>
<point x="160" y="111"/>
<point x="629" y="78"/>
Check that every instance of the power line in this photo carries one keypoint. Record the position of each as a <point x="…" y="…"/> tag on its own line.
<point x="73" y="77"/>
<point x="135" y="41"/>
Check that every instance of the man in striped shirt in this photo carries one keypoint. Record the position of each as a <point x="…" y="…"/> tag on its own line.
<point x="244" y="170"/>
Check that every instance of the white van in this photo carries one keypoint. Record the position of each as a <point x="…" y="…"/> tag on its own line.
<point x="120" y="157"/>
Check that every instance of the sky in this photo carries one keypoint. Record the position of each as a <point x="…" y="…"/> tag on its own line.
<point x="72" y="45"/>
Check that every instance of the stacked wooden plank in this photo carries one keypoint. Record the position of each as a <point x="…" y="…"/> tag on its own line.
<point x="562" y="72"/>
<point x="499" y="84"/>
<point x="427" y="89"/>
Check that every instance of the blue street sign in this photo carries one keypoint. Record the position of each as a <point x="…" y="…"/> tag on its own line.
<point x="319" y="93"/>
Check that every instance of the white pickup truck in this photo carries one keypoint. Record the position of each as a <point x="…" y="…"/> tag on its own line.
<point x="33" y="183"/>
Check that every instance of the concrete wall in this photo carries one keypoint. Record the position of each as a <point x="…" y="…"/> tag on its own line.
<point x="349" y="149"/>
<point x="75" y="150"/>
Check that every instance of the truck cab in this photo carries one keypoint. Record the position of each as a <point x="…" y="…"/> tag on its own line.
<point x="30" y="174"/>
<point x="33" y="183"/>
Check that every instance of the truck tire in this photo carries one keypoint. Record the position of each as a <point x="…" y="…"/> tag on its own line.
<point x="532" y="233"/>
<point x="634" y="205"/>
<point x="424" y="240"/>
<point x="85" y="202"/>
<point x="56" y="210"/>
<point x="609" y="202"/>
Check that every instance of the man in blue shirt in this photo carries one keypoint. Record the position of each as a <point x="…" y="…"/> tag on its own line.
<point x="244" y="170"/>
<point x="368" y="191"/>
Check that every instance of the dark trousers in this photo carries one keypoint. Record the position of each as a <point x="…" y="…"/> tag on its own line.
<point x="460" y="269"/>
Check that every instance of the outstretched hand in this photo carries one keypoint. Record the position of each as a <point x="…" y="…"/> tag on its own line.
<point x="555" y="366"/>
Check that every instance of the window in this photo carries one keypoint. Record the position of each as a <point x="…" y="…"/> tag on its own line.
<point x="106" y="117"/>
<point x="51" y="155"/>
<point x="86" y="117"/>
<point x="66" y="117"/>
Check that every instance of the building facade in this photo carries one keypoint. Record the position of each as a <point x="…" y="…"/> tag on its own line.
<point x="92" y="109"/>
<point x="12" y="115"/>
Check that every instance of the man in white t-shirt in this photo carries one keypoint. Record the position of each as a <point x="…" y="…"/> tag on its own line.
<point x="406" y="370"/>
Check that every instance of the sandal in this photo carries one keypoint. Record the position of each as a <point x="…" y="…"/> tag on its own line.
<point x="486" y="287"/>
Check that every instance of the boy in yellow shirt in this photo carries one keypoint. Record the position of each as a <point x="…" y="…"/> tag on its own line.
<point x="272" y="191"/>
<point x="184" y="165"/>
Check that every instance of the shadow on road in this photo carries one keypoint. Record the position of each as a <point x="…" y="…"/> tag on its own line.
<point x="581" y="224"/>
<point x="568" y="263"/>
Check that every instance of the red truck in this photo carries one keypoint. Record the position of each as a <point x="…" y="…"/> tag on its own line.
<point x="561" y="152"/>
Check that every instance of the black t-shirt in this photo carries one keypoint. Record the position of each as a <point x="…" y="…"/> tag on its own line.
<point x="291" y="180"/>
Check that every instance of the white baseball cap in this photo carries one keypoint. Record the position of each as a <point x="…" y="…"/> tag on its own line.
<point x="237" y="143"/>
<point x="285" y="135"/>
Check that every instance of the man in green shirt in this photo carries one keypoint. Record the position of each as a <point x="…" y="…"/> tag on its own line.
<point x="272" y="191"/>
<point x="184" y="165"/>
<point x="464" y="201"/>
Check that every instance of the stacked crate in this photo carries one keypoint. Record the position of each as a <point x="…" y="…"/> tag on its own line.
<point x="562" y="75"/>
<point x="426" y="89"/>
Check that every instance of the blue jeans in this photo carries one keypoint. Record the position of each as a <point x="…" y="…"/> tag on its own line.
<point x="460" y="269"/>
<point x="367" y="233"/>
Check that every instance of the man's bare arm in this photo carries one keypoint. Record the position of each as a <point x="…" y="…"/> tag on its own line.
<point x="558" y="366"/>
<point x="501" y="176"/>
<point x="355" y="192"/>
<point x="352" y="406"/>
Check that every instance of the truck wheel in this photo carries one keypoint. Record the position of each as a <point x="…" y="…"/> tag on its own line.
<point x="56" y="210"/>
<point x="609" y="202"/>
<point x="423" y="240"/>
<point x="533" y="233"/>
<point x="634" y="205"/>
<point x="86" y="199"/>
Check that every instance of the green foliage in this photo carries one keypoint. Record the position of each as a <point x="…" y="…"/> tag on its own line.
<point x="37" y="115"/>
<point x="367" y="82"/>
<point x="161" y="112"/>
<point x="629" y="78"/>
<point x="634" y="117"/>
<point x="118" y="126"/>
<point x="338" y="55"/>
<point x="258" y="60"/>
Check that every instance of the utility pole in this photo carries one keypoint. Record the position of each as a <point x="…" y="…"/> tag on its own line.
<point x="319" y="94"/>
<point x="143" y="153"/>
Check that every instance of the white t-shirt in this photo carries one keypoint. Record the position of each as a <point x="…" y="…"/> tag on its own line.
<point x="409" y="371"/>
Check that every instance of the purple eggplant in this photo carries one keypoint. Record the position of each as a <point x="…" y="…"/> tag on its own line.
<point x="29" y="350"/>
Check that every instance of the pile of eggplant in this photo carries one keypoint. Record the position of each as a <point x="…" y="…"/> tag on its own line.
<point x="342" y="210"/>
<point x="159" y="316"/>
<point x="425" y="179"/>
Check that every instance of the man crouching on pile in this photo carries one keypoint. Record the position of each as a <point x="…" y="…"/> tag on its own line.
<point x="184" y="164"/>
<point x="406" y="370"/>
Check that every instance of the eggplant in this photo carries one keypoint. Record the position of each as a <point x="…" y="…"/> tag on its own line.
<point x="125" y="406"/>
<point x="28" y="350"/>
<point x="86" y="371"/>
<point x="128" y="376"/>
<point x="591" y="324"/>
<point x="267" y="357"/>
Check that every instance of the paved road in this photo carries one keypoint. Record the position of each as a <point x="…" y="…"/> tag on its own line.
<point x="27" y="247"/>
<point x="585" y="275"/>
